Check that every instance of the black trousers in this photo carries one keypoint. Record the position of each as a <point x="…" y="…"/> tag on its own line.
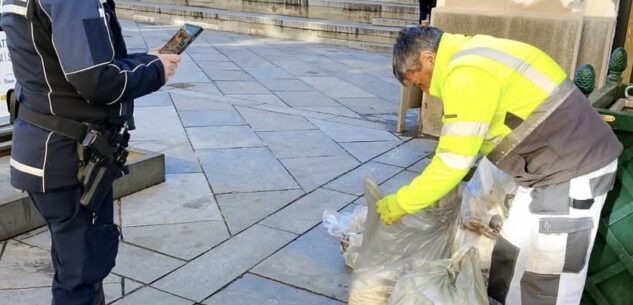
<point x="84" y="245"/>
<point x="425" y="9"/>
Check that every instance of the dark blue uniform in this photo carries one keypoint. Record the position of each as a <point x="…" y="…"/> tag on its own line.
<point x="70" y="60"/>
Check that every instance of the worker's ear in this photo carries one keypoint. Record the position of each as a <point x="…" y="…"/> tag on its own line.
<point x="427" y="58"/>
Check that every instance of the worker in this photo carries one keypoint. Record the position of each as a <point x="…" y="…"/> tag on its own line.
<point x="512" y="103"/>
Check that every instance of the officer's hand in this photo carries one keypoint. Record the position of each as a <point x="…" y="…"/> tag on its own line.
<point x="389" y="210"/>
<point x="170" y="63"/>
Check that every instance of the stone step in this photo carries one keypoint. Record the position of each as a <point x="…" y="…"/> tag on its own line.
<point x="351" y="34"/>
<point x="18" y="214"/>
<point x="392" y="22"/>
<point x="362" y="10"/>
<point x="347" y="10"/>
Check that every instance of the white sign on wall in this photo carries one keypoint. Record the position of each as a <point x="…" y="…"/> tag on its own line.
<point x="7" y="80"/>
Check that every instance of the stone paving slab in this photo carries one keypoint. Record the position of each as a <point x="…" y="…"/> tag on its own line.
<point x="335" y="110"/>
<point x="396" y="182"/>
<point x="419" y="166"/>
<point x="408" y="153"/>
<point x="275" y="84"/>
<point x="167" y="203"/>
<point x="365" y="151"/>
<point x="179" y="155"/>
<point x="312" y="262"/>
<point x="261" y="120"/>
<point x="224" y="75"/>
<point x="252" y="289"/>
<point x="352" y="182"/>
<point x="335" y="87"/>
<point x="348" y="133"/>
<point x="258" y="99"/>
<point x="241" y="87"/>
<point x="213" y="65"/>
<point x="262" y="73"/>
<point x="223" y="137"/>
<point x="294" y="111"/>
<point x="306" y="99"/>
<point x="365" y="105"/>
<point x="300" y="143"/>
<point x="24" y="266"/>
<point x="198" y="102"/>
<point x="181" y="240"/>
<point x="30" y="296"/>
<point x="143" y="265"/>
<point x="369" y="121"/>
<point x="156" y="99"/>
<point x="218" y="267"/>
<point x="313" y="172"/>
<point x="158" y="123"/>
<point x="232" y="170"/>
<point x="149" y="295"/>
<point x="242" y="210"/>
<point x="41" y="240"/>
<point x="307" y="212"/>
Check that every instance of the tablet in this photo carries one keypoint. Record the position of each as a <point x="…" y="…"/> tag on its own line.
<point x="181" y="40"/>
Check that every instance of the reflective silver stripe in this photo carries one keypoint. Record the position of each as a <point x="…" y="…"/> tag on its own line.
<point x="537" y="117"/>
<point x="456" y="161"/>
<point x="512" y="62"/>
<point x="465" y="129"/>
<point x="15" y="9"/>
<point x="26" y="168"/>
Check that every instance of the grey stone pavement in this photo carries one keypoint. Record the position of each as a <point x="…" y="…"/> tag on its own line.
<point x="261" y="136"/>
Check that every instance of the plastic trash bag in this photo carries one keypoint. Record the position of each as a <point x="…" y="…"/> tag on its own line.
<point x="348" y="227"/>
<point x="453" y="281"/>
<point x="485" y="199"/>
<point x="485" y="203"/>
<point x="388" y="250"/>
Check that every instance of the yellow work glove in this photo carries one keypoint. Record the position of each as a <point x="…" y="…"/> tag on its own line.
<point x="389" y="210"/>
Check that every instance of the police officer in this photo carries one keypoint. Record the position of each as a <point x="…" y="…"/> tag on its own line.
<point x="514" y="104"/>
<point x="70" y="62"/>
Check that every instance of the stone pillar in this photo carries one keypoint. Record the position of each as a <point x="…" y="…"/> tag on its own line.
<point x="573" y="32"/>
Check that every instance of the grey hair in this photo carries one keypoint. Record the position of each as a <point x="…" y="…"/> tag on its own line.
<point x="412" y="41"/>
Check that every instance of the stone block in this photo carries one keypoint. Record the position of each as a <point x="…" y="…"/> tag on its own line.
<point x="231" y="170"/>
<point x="149" y="295"/>
<point x="220" y="266"/>
<point x="352" y="182"/>
<point x="143" y="265"/>
<point x="312" y="172"/>
<point x="312" y="263"/>
<point x="307" y="212"/>
<point x="348" y="133"/>
<point x="181" y="240"/>
<point x="182" y="198"/>
<point x="252" y="289"/>
<point x="213" y="137"/>
<point x="408" y="153"/>
<point x="300" y="143"/>
<point x="561" y="44"/>
<point x="241" y="210"/>
<point x="261" y="120"/>
<point x="365" y="151"/>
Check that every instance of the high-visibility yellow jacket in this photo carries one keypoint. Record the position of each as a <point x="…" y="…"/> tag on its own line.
<point x="484" y="83"/>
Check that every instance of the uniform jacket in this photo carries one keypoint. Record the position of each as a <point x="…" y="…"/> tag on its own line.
<point x="69" y="60"/>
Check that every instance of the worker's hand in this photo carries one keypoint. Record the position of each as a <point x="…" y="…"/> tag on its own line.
<point x="389" y="210"/>
<point x="170" y="63"/>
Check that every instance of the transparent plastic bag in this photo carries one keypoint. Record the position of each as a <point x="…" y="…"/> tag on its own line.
<point x="453" y="281"/>
<point x="485" y="203"/>
<point x="485" y="198"/>
<point x="388" y="250"/>
<point x="348" y="227"/>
